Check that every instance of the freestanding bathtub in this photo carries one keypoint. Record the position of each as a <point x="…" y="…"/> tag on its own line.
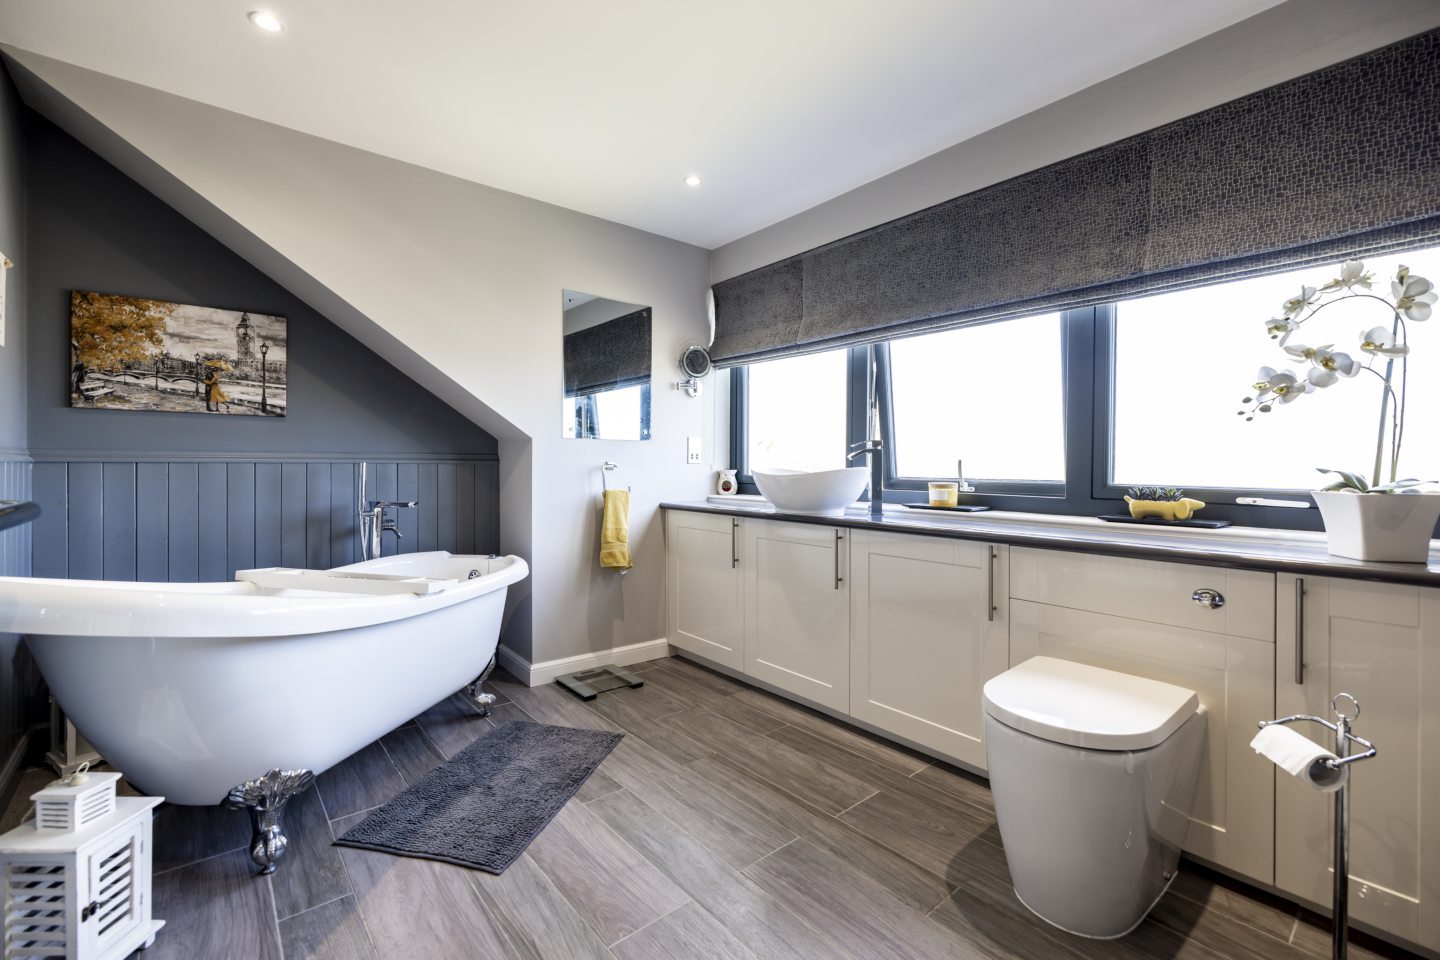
<point x="208" y="692"/>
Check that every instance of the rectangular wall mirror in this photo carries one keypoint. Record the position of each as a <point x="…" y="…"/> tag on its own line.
<point x="607" y="368"/>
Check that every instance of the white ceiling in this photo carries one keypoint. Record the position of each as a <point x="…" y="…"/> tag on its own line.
<point x="605" y="107"/>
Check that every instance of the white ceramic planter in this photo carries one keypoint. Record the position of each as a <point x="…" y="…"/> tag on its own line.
<point x="1392" y="527"/>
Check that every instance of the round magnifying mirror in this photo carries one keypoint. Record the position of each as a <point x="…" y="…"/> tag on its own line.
<point x="695" y="361"/>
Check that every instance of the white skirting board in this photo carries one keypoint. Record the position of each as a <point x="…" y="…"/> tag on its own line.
<point x="534" y="674"/>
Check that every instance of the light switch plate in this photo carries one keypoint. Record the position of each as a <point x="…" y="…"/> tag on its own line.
<point x="692" y="449"/>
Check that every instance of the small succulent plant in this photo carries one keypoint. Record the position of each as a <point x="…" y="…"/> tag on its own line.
<point x="1169" y="494"/>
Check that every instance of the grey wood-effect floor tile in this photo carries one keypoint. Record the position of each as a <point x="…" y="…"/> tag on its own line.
<point x="1218" y="931"/>
<point x="311" y="872"/>
<point x="363" y="780"/>
<point x="598" y="784"/>
<point x="453" y="724"/>
<point x="412" y="751"/>
<point x="735" y="831"/>
<point x="551" y="704"/>
<point x="865" y="767"/>
<point x="969" y="787"/>
<point x="858" y="912"/>
<point x="998" y="933"/>
<point x="502" y="713"/>
<point x="612" y="886"/>
<point x="217" y="909"/>
<point x="931" y="832"/>
<point x="1312" y="939"/>
<point x="637" y="707"/>
<point x="856" y="741"/>
<point x="912" y="884"/>
<point x="1218" y="894"/>
<point x="767" y="928"/>
<point x="689" y="933"/>
<point x="683" y="684"/>
<point x="539" y="922"/>
<point x="825" y="787"/>
<point x="332" y="931"/>
<point x="416" y="908"/>
<point x="187" y="834"/>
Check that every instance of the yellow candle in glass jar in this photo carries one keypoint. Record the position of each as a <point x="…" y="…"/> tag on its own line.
<point x="944" y="494"/>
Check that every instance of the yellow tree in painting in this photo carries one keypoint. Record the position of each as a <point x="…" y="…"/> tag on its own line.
<point x="110" y="331"/>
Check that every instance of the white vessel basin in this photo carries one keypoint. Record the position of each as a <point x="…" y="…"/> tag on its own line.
<point x="824" y="493"/>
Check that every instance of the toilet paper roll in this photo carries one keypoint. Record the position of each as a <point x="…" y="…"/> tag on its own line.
<point x="1298" y="756"/>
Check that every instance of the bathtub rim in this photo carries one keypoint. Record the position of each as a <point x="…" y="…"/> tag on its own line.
<point x="41" y="607"/>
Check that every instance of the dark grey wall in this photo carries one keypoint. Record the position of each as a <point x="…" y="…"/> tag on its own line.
<point x="17" y="689"/>
<point x="92" y="228"/>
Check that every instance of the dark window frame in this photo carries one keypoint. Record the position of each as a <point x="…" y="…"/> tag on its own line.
<point x="1088" y="368"/>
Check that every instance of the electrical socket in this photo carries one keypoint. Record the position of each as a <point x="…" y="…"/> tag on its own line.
<point x="692" y="449"/>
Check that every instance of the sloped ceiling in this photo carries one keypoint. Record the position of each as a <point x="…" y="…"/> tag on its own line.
<point x="604" y="108"/>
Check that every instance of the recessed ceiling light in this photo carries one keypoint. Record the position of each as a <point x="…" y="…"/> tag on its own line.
<point x="692" y="181"/>
<point x="266" y="21"/>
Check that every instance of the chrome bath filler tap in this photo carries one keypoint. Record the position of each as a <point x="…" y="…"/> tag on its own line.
<point x="374" y="522"/>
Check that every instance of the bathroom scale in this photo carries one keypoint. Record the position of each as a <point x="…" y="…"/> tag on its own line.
<point x="589" y="684"/>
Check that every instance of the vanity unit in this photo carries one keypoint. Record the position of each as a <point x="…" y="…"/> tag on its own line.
<point x="898" y="623"/>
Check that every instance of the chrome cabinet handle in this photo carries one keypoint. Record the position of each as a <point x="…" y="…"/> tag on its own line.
<point x="1208" y="598"/>
<point x="1300" y="631"/>
<point x="839" y="537"/>
<point x="990" y="587"/>
<point x="734" y="543"/>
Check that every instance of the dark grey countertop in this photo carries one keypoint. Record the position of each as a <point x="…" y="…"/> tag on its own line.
<point x="1252" y="548"/>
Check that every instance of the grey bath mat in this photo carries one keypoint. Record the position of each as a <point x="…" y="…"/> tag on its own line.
<point x="483" y="808"/>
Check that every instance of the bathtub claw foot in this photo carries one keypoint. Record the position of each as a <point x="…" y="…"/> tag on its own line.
<point x="477" y="695"/>
<point x="265" y="797"/>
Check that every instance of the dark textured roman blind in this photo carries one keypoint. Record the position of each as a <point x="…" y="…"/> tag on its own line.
<point x="609" y="355"/>
<point x="1344" y="161"/>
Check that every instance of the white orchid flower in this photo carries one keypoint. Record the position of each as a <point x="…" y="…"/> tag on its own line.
<point x="1380" y="341"/>
<point x="1300" y="352"/>
<point x="1297" y="305"/>
<point x="1330" y="366"/>
<point x="1281" y="383"/>
<point x="1352" y="275"/>
<point x="1281" y="328"/>
<point x="1414" y="296"/>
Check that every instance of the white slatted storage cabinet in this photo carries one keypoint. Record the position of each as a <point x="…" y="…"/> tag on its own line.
<point x="80" y="894"/>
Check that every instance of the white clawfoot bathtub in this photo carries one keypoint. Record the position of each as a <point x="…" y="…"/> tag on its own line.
<point x="193" y="689"/>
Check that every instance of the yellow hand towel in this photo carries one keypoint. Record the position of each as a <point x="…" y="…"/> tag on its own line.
<point x="615" y="531"/>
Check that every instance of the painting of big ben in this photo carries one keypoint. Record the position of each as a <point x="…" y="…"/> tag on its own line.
<point x="129" y="353"/>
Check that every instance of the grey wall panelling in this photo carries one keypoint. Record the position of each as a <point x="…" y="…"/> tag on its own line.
<point x="185" y="521"/>
<point x="16" y="673"/>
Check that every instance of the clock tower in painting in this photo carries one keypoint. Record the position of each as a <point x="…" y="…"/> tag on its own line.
<point x="244" y="340"/>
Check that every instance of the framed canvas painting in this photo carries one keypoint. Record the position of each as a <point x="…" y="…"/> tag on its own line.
<point x="129" y="353"/>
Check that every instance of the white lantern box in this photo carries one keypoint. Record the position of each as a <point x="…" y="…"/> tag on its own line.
<point x="80" y="894"/>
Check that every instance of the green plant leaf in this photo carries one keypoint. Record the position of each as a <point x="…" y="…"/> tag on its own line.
<point x="1351" y="480"/>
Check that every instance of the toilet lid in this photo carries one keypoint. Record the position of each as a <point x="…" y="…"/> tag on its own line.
<point x="1085" y="706"/>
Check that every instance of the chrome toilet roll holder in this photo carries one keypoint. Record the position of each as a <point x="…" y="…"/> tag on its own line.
<point x="1343" y="758"/>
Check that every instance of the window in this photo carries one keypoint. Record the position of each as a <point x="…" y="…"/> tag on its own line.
<point x="992" y="395"/>
<point x="796" y="411"/>
<point x="619" y="414"/>
<point x="1184" y="361"/>
<point x="1062" y="412"/>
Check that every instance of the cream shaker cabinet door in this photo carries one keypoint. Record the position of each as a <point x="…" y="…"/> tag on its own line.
<point x="704" y="603"/>
<point x="797" y="609"/>
<point x="1232" y="821"/>
<point x="1380" y="643"/>
<point x="929" y="625"/>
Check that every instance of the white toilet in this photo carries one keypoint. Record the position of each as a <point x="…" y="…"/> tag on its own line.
<point x="1093" y="773"/>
